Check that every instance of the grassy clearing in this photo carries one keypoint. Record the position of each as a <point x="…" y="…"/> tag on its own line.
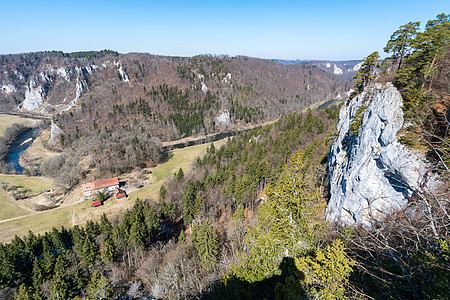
<point x="181" y="158"/>
<point x="8" y="208"/>
<point x="35" y="184"/>
<point x="7" y="121"/>
<point x="38" y="223"/>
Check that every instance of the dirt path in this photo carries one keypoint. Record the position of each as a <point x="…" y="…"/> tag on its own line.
<point x="41" y="212"/>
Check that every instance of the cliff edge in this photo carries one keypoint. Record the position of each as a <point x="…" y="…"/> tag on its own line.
<point x="370" y="172"/>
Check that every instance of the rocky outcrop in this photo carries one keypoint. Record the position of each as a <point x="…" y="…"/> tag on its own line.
<point x="371" y="173"/>
<point x="55" y="132"/>
<point x="8" y="88"/>
<point x="34" y="96"/>
<point x="123" y="75"/>
<point x="224" y="119"/>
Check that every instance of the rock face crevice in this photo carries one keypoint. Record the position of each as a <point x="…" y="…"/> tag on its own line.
<point x="371" y="174"/>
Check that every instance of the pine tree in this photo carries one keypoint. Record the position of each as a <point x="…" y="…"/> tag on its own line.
<point x="100" y="197"/>
<point x="60" y="281"/>
<point x="108" y="248"/>
<point x="400" y="43"/>
<point x="179" y="175"/>
<point x="105" y="225"/>
<point x="90" y="251"/>
<point x="24" y="293"/>
<point x="99" y="287"/>
<point x="366" y="73"/>
<point x="285" y="224"/>
<point x="206" y="242"/>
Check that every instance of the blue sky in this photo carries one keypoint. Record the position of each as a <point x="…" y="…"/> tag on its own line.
<point x="268" y="29"/>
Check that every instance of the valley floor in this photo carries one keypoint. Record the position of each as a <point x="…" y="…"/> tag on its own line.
<point x="17" y="218"/>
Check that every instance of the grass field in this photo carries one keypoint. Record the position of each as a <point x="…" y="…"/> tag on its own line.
<point x="79" y="213"/>
<point x="35" y="184"/>
<point x="8" y="209"/>
<point x="38" y="223"/>
<point x="7" y="120"/>
<point x="182" y="158"/>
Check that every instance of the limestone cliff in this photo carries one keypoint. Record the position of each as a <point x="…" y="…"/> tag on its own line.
<point x="370" y="172"/>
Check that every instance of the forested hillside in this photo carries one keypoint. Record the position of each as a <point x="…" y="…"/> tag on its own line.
<point x="167" y="96"/>
<point x="248" y="221"/>
<point x="106" y="105"/>
<point x="204" y="215"/>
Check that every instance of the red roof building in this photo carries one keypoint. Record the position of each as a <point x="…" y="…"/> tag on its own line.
<point x="119" y="193"/>
<point x="96" y="203"/>
<point x="99" y="186"/>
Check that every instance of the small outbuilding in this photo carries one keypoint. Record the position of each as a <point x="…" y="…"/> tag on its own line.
<point x="96" y="203"/>
<point x="119" y="193"/>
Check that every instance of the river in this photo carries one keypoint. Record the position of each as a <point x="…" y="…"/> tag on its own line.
<point x="22" y="142"/>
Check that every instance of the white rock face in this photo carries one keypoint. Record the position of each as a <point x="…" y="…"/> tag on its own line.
<point x="63" y="73"/>
<point x="328" y="65"/>
<point x="19" y="75"/>
<point x="34" y="96"/>
<point x="349" y="92"/>
<point x="372" y="174"/>
<point x="81" y="87"/>
<point x="204" y="87"/>
<point x="55" y="132"/>
<point x="357" y="66"/>
<point x="337" y="70"/>
<point x="123" y="74"/>
<point x="8" y="88"/>
<point x="227" y="78"/>
<point x="224" y="119"/>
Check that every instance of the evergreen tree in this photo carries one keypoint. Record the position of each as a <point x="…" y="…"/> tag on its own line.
<point x="39" y="275"/>
<point x="99" y="287"/>
<point x="137" y="235"/>
<point x="79" y="278"/>
<point x="285" y="224"/>
<point x="206" y="242"/>
<point x="100" y="197"/>
<point x="168" y="209"/>
<point x="162" y="192"/>
<point x="60" y="281"/>
<point x="24" y="293"/>
<point x="90" y="251"/>
<point x="105" y="226"/>
<point x="326" y="272"/>
<point x="400" y="43"/>
<point x="151" y="219"/>
<point x="179" y="175"/>
<point x="192" y="201"/>
<point x="366" y="73"/>
<point x="108" y="252"/>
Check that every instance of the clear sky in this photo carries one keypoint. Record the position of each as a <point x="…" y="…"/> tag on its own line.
<point x="332" y="29"/>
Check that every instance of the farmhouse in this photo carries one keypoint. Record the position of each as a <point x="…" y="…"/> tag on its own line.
<point x="105" y="185"/>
